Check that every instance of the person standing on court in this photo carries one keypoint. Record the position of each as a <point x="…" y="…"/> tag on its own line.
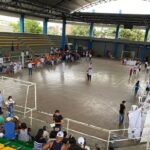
<point x="1" y="102"/>
<point x="58" y="119"/>
<point x="136" y="88"/>
<point x="89" y="74"/>
<point x="30" y="68"/>
<point x="122" y="112"/>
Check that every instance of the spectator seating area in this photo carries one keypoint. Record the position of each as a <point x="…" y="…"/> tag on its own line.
<point x="27" y="41"/>
<point x="15" y="145"/>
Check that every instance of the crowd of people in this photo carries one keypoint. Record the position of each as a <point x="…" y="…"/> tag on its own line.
<point x="134" y="73"/>
<point x="11" y="68"/>
<point x="12" y="128"/>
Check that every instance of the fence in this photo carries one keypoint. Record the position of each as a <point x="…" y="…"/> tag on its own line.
<point x="94" y="135"/>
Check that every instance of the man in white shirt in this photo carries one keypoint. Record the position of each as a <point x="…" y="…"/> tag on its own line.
<point x="30" y="68"/>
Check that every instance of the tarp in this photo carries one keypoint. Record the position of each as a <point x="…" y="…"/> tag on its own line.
<point x="146" y="119"/>
<point x="135" y="120"/>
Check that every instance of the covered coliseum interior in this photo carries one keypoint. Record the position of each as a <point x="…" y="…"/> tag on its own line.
<point x="96" y="103"/>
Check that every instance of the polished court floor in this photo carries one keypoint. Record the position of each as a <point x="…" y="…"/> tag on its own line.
<point x="65" y="87"/>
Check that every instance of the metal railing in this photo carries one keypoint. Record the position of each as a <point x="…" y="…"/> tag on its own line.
<point x="92" y="133"/>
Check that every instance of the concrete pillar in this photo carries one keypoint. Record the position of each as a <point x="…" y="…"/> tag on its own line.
<point x="90" y="35"/>
<point x="63" y="38"/>
<point x="45" y="20"/>
<point x="74" y="44"/>
<point x="143" y="53"/>
<point x="115" y="50"/>
<point x="22" y="23"/>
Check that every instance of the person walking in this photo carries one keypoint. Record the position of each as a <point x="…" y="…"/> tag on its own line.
<point x="147" y="87"/>
<point x="136" y="88"/>
<point x="130" y="73"/>
<point x="122" y="112"/>
<point x="30" y="68"/>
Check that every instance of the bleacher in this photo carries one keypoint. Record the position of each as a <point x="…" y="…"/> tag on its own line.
<point x="26" y="41"/>
<point x="36" y="41"/>
<point x="15" y="145"/>
<point x="55" y="39"/>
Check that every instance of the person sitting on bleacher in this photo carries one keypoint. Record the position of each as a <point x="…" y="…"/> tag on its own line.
<point x="40" y="141"/>
<point x="82" y="143"/>
<point x="58" y="143"/>
<point x="17" y="122"/>
<point x="9" y="129"/>
<point x="1" y="122"/>
<point x="73" y="145"/>
<point x="23" y="133"/>
<point x="45" y="133"/>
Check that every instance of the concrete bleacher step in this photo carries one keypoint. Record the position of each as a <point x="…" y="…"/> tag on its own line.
<point x="135" y="147"/>
<point x="120" y="145"/>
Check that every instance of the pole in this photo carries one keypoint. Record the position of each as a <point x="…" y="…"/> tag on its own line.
<point x="90" y="35"/>
<point x="45" y="20"/>
<point x="26" y="101"/>
<point x="22" y="23"/>
<point x="63" y="38"/>
<point x="68" y="121"/>
<point x="116" y="44"/>
<point x="143" y="53"/>
<point x="108" y="140"/>
<point x="35" y="92"/>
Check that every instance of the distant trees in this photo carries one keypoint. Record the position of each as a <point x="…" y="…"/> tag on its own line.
<point x="108" y="32"/>
<point x="79" y="30"/>
<point x="31" y="26"/>
<point x="134" y="34"/>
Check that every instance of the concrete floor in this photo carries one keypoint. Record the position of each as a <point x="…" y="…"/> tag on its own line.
<point x="66" y="88"/>
<point x="95" y="103"/>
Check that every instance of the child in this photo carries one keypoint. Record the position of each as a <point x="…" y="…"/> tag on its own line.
<point x="89" y="74"/>
<point x="10" y="104"/>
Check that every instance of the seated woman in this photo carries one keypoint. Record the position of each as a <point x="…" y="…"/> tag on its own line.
<point x="23" y="133"/>
<point x="40" y="141"/>
<point x="9" y="129"/>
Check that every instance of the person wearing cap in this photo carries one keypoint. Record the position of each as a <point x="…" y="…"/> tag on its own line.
<point x="9" y="129"/>
<point x="58" y="119"/>
<point x="82" y="143"/>
<point x="122" y="112"/>
<point x="58" y="144"/>
<point x="72" y="145"/>
<point x="17" y="122"/>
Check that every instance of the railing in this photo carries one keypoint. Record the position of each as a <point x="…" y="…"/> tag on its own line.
<point x="93" y="134"/>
